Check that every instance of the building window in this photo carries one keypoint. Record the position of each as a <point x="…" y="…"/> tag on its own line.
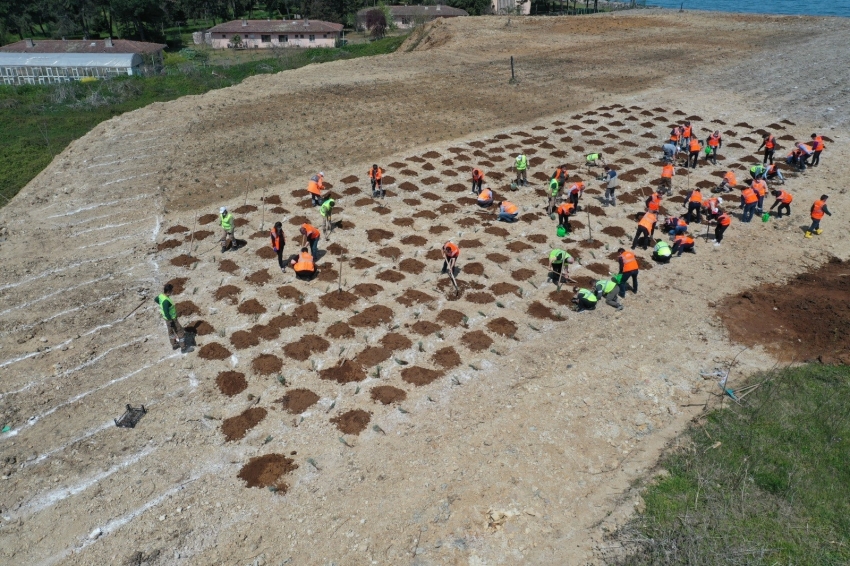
<point x="312" y="38"/>
<point x="325" y="36"/>
<point x="224" y="36"/>
<point x="266" y="38"/>
<point x="283" y="38"/>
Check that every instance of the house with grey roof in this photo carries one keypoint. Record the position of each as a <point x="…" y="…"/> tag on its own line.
<point x="264" y="34"/>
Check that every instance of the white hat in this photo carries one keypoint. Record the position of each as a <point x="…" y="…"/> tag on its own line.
<point x="222" y="210"/>
<point x="321" y="174"/>
<point x="719" y="200"/>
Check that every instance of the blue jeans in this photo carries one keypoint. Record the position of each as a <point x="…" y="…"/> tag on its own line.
<point x="678" y="230"/>
<point x="624" y="280"/>
<point x="815" y="225"/>
<point x="505" y="217"/>
<point x="760" y="204"/>
<point x="749" y="210"/>
<point x="314" y="248"/>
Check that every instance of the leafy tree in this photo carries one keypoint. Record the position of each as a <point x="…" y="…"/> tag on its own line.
<point x="376" y="23"/>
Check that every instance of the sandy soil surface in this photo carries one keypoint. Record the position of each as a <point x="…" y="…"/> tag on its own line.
<point x="392" y="422"/>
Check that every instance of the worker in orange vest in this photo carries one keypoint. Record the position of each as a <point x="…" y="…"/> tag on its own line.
<point x="687" y="132"/>
<point x="675" y="226"/>
<point x="728" y="184"/>
<point x="278" y="243"/>
<point x="694" y="148"/>
<point x="450" y="254"/>
<point x="723" y="222"/>
<point x="694" y="213"/>
<point x="749" y="200"/>
<point x="817" y="148"/>
<point x="667" y="172"/>
<point x="576" y="190"/>
<point x="477" y="180"/>
<point x="560" y="174"/>
<point x="676" y="135"/>
<point x="311" y="234"/>
<point x="485" y="198"/>
<point x="304" y="266"/>
<point x="628" y="269"/>
<point x="683" y="243"/>
<point x="711" y="207"/>
<point x="508" y="211"/>
<point x="760" y="187"/>
<point x="769" y="145"/>
<point x="714" y="143"/>
<point x="645" y="229"/>
<point x="315" y="187"/>
<point x="565" y="210"/>
<point x="773" y="173"/>
<point x="376" y="176"/>
<point x="653" y="202"/>
<point x="818" y="210"/>
<point x="783" y="200"/>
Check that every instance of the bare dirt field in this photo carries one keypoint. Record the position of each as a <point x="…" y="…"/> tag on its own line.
<point x="375" y="415"/>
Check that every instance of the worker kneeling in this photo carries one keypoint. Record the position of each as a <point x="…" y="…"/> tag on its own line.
<point x="508" y="211"/>
<point x="485" y="198"/>
<point x="683" y="243"/>
<point x="662" y="252"/>
<point x="584" y="299"/>
<point x="608" y="289"/>
<point x="304" y="266"/>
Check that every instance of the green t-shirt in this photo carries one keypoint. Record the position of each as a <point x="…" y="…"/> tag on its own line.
<point x="558" y="256"/>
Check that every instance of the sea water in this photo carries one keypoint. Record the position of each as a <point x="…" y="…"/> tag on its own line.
<point x="792" y="7"/>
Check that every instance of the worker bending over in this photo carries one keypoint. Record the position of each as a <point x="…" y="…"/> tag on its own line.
<point x="694" y="213"/>
<point x="310" y="234"/>
<point x="315" y="186"/>
<point x="723" y="222"/>
<point x="326" y="210"/>
<point x="674" y="226"/>
<point x="485" y="198"/>
<point x="653" y="202"/>
<point x="607" y="289"/>
<point x="376" y="177"/>
<point x="667" y="172"/>
<point x="508" y="211"/>
<point x="628" y="269"/>
<point x="645" y="230"/>
<point x="558" y="262"/>
<point x="304" y="266"/>
<point x="683" y="243"/>
<point x="817" y="211"/>
<point x="450" y="254"/>
<point x="783" y="201"/>
<point x="711" y="207"/>
<point x="576" y="191"/>
<point x="773" y="173"/>
<point x="662" y="252"/>
<point x="728" y="184"/>
<point x="584" y="299"/>
<point x="477" y="180"/>
<point x="565" y="210"/>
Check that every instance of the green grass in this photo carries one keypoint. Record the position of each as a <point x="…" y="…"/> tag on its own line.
<point x="776" y="490"/>
<point x="39" y="121"/>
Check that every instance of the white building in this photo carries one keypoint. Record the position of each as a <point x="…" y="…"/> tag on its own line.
<point x="263" y="34"/>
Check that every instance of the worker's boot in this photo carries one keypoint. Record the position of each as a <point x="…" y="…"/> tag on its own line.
<point x="808" y="234"/>
<point x="818" y="231"/>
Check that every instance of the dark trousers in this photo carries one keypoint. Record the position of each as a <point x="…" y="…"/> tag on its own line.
<point x="679" y="248"/>
<point x="564" y="220"/>
<point x="749" y="210"/>
<point x="446" y="266"/>
<point x="624" y="282"/>
<point x="476" y="186"/>
<point x="314" y="248"/>
<point x="712" y="155"/>
<point x="816" y="158"/>
<point x="718" y="232"/>
<point x="378" y="183"/>
<point x="760" y="204"/>
<point x="692" y="159"/>
<point x="815" y="225"/>
<point x="555" y="274"/>
<point x="317" y="200"/>
<point x="574" y="200"/>
<point x="694" y="210"/>
<point x="768" y="156"/>
<point x="584" y="304"/>
<point x="280" y="262"/>
<point x="787" y="208"/>
<point x="641" y="235"/>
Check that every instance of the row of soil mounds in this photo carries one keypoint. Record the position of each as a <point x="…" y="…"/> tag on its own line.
<point x="806" y="319"/>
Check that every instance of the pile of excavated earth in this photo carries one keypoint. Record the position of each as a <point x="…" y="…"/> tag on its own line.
<point x="377" y="414"/>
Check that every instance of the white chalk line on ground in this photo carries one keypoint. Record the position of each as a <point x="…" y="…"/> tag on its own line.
<point x="107" y="242"/>
<point x="108" y="227"/>
<point x="33" y="420"/>
<point x="93" y="206"/>
<point x="65" y="290"/>
<point x="57" y="315"/>
<point x="106" y="184"/>
<point x="50" y="272"/>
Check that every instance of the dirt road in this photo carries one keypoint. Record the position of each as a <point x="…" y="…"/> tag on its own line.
<point x="394" y="421"/>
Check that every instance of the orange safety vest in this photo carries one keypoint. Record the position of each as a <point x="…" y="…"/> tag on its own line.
<point x="749" y="196"/>
<point x="654" y="202"/>
<point x="680" y="222"/>
<point x="305" y="262"/>
<point x="485" y="195"/>
<point x="686" y="132"/>
<point x="682" y="239"/>
<point x="710" y="204"/>
<point x="770" y="142"/>
<point x="724" y="219"/>
<point x="695" y="146"/>
<point x="451" y="250"/>
<point x="730" y="178"/>
<point x="477" y="175"/>
<point x="696" y="196"/>
<point x="759" y="187"/>
<point x="314" y="187"/>
<point x="566" y="208"/>
<point x="784" y="197"/>
<point x="817" y="209"/>
<point x="312" y="231"/>
<point x="377" y="175"/>
<point x="714" y="140"/>
<point x="276" y="239"/>
<point x="674" y="134"/>
<point x="667" y="172"/>
<point x="817" y="144"/>
<point x="629" y="262"/>
<point x="647" y="221"/>
<point x="577" y="187"/>
<point x="509" y="207"/>
<point x="560" y="174"/>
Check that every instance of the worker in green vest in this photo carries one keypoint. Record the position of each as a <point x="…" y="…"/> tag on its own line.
<point x="554" y="189"/>
<point x="662" y="252"/>
<point x="608" y="289"/>
<point x="584" y="299"/>
<point x="557" y="269"/>
<point x="176" y="334"/>
<point x="225" y="219"/>
<point x="326" y="210"/>
<point x="521" y="166"/>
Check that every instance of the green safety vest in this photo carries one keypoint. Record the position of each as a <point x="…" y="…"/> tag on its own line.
<point x="592" y="157"/>
<point x="226" y="222"/>
<point x="553" y="186"/>
<point x="662" y="249"/>
<point x="757" y="170"/>
<point x="588" y="295"/>
<point x="327" y="207"/>
<point x="166" y="307"/>
<point x="521" y="163"/>
<point x="605" y="287"/>
<point x="558" y="256"/>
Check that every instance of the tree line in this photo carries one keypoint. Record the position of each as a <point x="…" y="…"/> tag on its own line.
<point x="147" y="20"/>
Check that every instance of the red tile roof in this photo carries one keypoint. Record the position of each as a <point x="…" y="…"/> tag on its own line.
<point x="276" y="26"/>
<point x="83" y="46"/>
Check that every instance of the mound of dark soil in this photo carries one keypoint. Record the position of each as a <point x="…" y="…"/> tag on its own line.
<point x="259" y="277"/>
<point x="288" y="292"/>
<point x="251" y="306"/>
<point x="183" y="260"/>
<point x="352" y="422"/>
<point x="308" y="312"/>
<point x="366" y="290"/>
<point x="200" y="327"/>
<point x="338" y="300"/>
<point x="412" y="296"/>
<point x="477" y="341"/>
<point x="387" y="394"/>
<point x="213" y="351"/>
<point x="372" y="356"/>
<point x="265" y="331"/>
<point x="267" y="471"/>
<point x="339" y="330"/>
<point x="242" y="339"/>
<point x="345" y="372"/>
<point x="424" y="327"/>
<point x="412" y="266"/>
<point x="451" y="317"/>
<point x="266" y="364"/>
<point x="394" y="341"/>
<point x="372" y="317"/>
<point x="235" y="428"/>
<point x="420" y="376"/>
<point x="446" y="358"/>
<point x="231" y="383"/>
<point x="389" y="276"/>
<point x="305" y="347"/>
<point x="296" y="401"/>
<point x="522" y="274"/>
<point x="502" y="326"/>
<point x="539" y="310"/>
